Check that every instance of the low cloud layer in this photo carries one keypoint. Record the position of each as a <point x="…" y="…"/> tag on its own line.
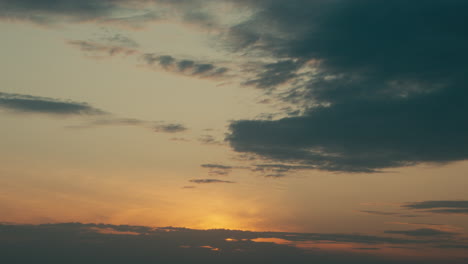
<point x="101" y="243"/>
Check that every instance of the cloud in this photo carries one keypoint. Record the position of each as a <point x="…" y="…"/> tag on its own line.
<point x="156" y="126"/>
<point x="379" y="85"/>
<point x="94" y="48"/>
<point x="440" y="207"/>
<point x="217" y="169"/>
<point x="102" y="243"/>
<point x="216" y="166"/>
<point x="21" y="103"/>
<point x="29" y="104"/>
<point x="170" y="128"/>
<point x="184" y="66"/>
<point x="205" y="181"/>
<point x="422" y="232"/>
<point x="49" y="11"/>
<point x="209" y="140"/>
<point x="389" y="213"/>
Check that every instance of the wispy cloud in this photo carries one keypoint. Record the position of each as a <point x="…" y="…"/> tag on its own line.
<point x="422" y="232"/>
<point x="30" y="104"/>
<point x="94" y="117"/>
<point x="439" y="207"/>
<point x="185" y="66"/>
<point x="207" y="181"/>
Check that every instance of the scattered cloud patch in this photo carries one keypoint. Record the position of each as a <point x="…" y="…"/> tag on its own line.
<point x="207" y="181"/>
<point x="184" y="66"/>
<point x="94" y="48"/>
<point x="422" y="232"/>
<point x="439" y="207"/>
<point x="21" y="103"/>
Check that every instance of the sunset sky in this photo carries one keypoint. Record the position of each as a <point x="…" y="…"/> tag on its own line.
<point x="325" y="127"/>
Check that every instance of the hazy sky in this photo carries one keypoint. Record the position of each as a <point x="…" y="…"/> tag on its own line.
<point x="339" y="118"/>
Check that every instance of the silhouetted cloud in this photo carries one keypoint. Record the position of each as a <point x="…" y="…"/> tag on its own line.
<point x="440" y="207"/>
<point x="48" y="11"/>
<point x="217" y="169"/>
<point x="34" y="104"/>
<point x="102" y="243"/>
<point x="209" y="140"/>
<point x="94" y="48"/>
<point x="389" y="213"/>
<point x="169" y="128"/>
<point x="380" y="83"/>
<point x="422" y="232"/>
<point x="29" y="104"/>
<point x="156" y="126"/>
<point x="216" y="166"/>
<point x="205" y="181"/>
<point x="183" y="66"/>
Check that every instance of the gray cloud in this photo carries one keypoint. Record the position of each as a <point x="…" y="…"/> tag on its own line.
<point x="205" y="181"/>
<point x="101" y="243"/>
<point x="440" y="207"/>
<point x="44" y="105"/>
<point x="48" y="11"/>
<point x="184" y="66"/>
<point x="380" y="85"/>
<point x="389" y="213"/>
<point x="209" y="140"/>
<point x="29" y="104"/>
<point x="94" y="48"/>
<point x="460" y="204"/>
<point x="422" y="232"/>
<point x="170" y="128"/>
<point x="216" y="166"/>
<point x="156" y="126"/>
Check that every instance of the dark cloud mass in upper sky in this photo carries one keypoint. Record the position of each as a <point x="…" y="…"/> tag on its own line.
<point x="379" y="84"/>
<point x="385" y="84"/>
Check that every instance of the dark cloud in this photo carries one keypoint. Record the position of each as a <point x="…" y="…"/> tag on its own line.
<point x="439" y="207"/>
<point x="156" y="126"/>
<point x="205" y="181"/>
<point x="94" y="48"/>
<point x="217" y="169"/>
<point x="381" y="83"/>
<point x="47" y="11"/>
<point x="78" y="243"/>
<point x="170" y="128"/>
<point x="460" y="204"/>
<point x="422" y="232"/>
<point x="184" y="66"/>
<point x="29" y="104"/>
<point x="44" y="105"/>
<point x="216" y="166"/>
<point x="389" y="213"/>
<point x="273" y="74"/>
<point x="209" y="140"/>
<point x="121" y="40"/>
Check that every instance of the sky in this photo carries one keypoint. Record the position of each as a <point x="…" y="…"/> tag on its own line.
<point x="291" y="131"/>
